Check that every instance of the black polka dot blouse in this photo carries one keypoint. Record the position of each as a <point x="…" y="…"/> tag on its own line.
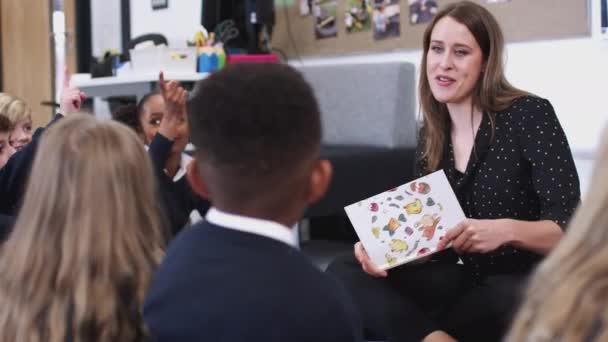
<point x="526" y="173"/>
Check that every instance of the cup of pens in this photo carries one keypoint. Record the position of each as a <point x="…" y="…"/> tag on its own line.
<point x="211" y="54"/>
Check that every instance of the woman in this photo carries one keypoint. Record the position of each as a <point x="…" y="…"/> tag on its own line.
<point x="160" y="120"/>
<point x="567" y="298"/>
<point x="509" y="163"/>
<point x="20" y="116"/>
<point x="80" y="258"/>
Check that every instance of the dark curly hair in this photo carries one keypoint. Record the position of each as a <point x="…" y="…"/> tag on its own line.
<point x="255" y="124"/>
<point x="130" y="114"/>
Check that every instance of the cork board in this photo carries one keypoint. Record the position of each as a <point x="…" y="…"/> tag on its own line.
<point x="521" y="20"/>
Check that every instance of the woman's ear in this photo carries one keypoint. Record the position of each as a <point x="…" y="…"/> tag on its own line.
<point x="319" y="180"/>
<point x="194" y="178"/>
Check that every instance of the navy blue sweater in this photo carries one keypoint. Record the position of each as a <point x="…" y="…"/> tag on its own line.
<point x="178" y="199"/>
<point x="217" y="284"/>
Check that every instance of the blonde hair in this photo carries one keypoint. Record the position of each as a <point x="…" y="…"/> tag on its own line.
<point x="87" y="240"/>
<point x="492" y="94"/>
<point x="14" y="108"/>
<point x="567" y="299"/>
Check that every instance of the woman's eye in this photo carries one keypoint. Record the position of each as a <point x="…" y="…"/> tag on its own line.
<point x="27" y="129"/>
<point x="461" y="53"/>
<point x="436" y="48"/>
<point x="155" y="122"/>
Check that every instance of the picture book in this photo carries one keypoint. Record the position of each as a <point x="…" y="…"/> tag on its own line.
<point x="406" y="223"/>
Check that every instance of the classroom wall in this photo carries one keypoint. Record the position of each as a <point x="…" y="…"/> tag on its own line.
<point x="569" y="72"/>
<point x="178" y="22"/>
<point x="106" y="29"/>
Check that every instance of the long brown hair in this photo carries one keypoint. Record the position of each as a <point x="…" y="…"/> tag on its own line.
<point x="567" y="299"/>
<point x="86" y="241"/>
<point x="492" y="93"/>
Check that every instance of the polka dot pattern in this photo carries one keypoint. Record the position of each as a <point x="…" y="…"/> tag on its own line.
<point x="525" y="172"/>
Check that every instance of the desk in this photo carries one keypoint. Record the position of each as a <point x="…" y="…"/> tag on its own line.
<point x="127" y="84"/>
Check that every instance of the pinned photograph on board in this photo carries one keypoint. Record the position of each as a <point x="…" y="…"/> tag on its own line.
<point x="305" y="7"/>
<point x="325" y="19"/>
<point x="386" y="19"/>
<point x="422" y="11"/>
<point x="358" y="16"/>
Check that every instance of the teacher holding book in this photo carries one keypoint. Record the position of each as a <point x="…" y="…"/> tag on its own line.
<point x="509" y="163"/>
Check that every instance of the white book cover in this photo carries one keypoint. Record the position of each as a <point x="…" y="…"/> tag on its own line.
<point x="406" y="223"/>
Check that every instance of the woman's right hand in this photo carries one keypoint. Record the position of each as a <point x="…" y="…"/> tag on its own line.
<point x="175" y="107"/>
<point x="366" y="263"/>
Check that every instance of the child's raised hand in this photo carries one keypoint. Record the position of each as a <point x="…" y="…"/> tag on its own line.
<point x="175" y="106"/>
<point x="71" y="98"/>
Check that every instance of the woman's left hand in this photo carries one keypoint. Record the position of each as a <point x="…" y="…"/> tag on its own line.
<point x="477" y="236"/>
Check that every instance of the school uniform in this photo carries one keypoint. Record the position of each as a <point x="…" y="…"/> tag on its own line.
<point x="235" y="278"/>
<point x="177" y="197"/>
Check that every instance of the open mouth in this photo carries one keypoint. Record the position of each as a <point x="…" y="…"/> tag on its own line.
<point x="444" y="81"/>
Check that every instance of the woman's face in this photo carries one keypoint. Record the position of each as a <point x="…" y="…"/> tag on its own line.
<point x="454" y="62"/>
<point x="152" y="115"/>
<point x="6" y="150"/>
<point x="21" y="134"/>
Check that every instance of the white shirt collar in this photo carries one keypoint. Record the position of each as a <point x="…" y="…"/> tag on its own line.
<point x="252" y="225"/>
<point x="186" y="159"/>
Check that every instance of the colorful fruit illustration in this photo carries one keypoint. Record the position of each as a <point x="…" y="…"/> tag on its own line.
<point x="422" y="187"/>
<point x="397" y="245"/>
<point x="376" y="232"/>
<point x="428" y="224"/>
<point x="413" y="249"/>
<point x="423" y="251"/>
<point x="414" y="207"/>
<point x="392" y="226"/>
<point x="390" y="259"/>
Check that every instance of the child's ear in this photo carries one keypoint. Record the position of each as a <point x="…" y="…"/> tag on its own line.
<point x="194" y="178"/>
<point x="319" y="180"/>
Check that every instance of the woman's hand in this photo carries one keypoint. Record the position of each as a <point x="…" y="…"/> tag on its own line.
<point x="477" y="236"/>
<point x="366" y="263"/>
<point x="71" y="98"/>
<point x="175" y="107"/>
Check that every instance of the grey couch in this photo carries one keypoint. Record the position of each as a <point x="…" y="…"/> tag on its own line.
<point x="370" y="127"/>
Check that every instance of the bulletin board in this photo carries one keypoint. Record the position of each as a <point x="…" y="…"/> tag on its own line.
<point x="520" y="20"/>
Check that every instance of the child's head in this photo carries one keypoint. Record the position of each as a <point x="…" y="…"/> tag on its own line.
<point x="90" y="240"/>
<point x="257" y="131"/>
<point x="6" y="150"/>
<point x="146" y="117"/>
<point x="20" y="116"/>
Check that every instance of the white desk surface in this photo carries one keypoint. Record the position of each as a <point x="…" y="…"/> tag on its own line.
<point x="85" y="80"/>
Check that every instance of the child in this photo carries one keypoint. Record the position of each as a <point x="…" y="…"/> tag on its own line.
<point x="6" y="150"/>
<point x="88" y="238"/>
<point x="239" y="276"/>
<point x="20" y="116"/>
<point x="166" y="134"/>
